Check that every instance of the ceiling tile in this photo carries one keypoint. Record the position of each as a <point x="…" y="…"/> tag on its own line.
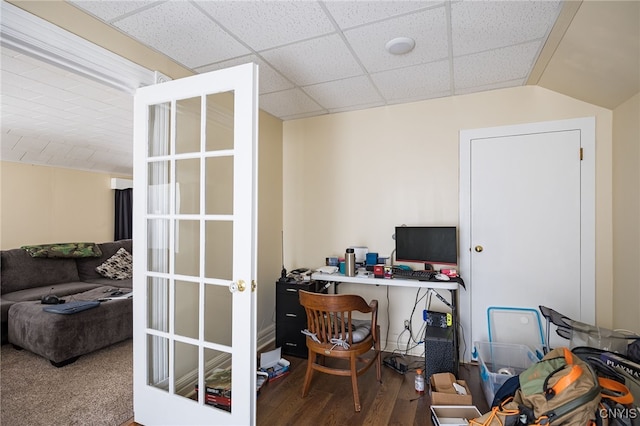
<point x="269" y="79"/>
<point x="8" y="139"/>
<point x="342" y="93"/>
<point x="288" y="102"/>
<point x="357" y="107"/>
<point x="482" y="25"/>
<point x="419" y="80"/>
<point x="29" y="144"/>
<point x="428" y="29"/>
<point x="14" y="62"/>
<point x="280" y="22"/>
<point x="56" y="148"/>
<point x="14" y="93"/>
<point x="108" y="10"/>
<point x="493" y="86"/>
<point x="183" y="32"/>
<point x="9" y="154"/>
<point x="314" y="61"/>
<point x="352" y="13"/>
<point x="508" y="63"/>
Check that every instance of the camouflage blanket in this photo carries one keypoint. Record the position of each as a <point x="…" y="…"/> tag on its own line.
<point x="64" y="250"/>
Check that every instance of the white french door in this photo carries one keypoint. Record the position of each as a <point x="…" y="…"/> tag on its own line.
<point x="195" y="227"/>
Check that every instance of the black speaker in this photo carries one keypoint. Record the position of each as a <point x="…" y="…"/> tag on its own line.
<point x="439" y="352"/>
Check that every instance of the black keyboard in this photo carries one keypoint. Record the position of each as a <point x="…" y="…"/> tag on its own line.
<point x="421" y="275"/>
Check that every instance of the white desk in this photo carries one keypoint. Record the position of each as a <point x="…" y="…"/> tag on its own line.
<point x="452" y="286"/>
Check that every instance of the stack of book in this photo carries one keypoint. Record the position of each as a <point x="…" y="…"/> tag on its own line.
<point x="218" y="389"/>
<point x="279" y="370"/>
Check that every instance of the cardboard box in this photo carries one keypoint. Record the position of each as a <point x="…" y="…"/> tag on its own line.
<point x="453" y="415"/>
<point x="444" y="393"/>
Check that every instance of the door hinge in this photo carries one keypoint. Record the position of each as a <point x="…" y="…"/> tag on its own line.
<point x="581" y="154"/>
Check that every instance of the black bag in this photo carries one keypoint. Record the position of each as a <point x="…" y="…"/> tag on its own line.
<point x="617" y="402"/>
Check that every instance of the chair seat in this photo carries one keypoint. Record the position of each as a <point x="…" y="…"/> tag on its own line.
<point x="336" y="349"/>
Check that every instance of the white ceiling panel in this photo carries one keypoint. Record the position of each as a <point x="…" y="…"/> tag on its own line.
<point x="109" y="10"/>
<point x="342" y="93"/>
<point x="506" y="64"/>
<point x="314" y="61"/>
<point x="181" y="31"/>
<point x="428" y="29"/>
<point x="478" y="26"/>
<point x="279" y="22"/>
<point x="269" y="79"/>
<point x="56" y="148"/>
<point x="349" y="14"/>
<point x="289" y="102"/>
<point x="420" y="80"/>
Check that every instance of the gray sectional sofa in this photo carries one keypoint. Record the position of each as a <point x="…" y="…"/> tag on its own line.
<point x="24" y="280"/>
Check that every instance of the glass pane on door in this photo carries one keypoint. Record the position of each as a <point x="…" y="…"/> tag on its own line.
<point x="218" y="375"/>
<point x="159" y="129"/>
<point x="188" y="125"/>
<point x="219" y="122"/>
<point x="187" y="248"/>
<point x="187" y="308"/>
<point x="188" y="186"/>
<point x="217" y="313"/>
<point x="219" y="250"/>
<point x="219" y="185"/>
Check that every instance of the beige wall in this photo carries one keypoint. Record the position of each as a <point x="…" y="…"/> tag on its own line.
<point x="269" y="222"/>
<point x="626" y="215"/>
<point x="350" y="178"/>
<point x="43" y="204"/>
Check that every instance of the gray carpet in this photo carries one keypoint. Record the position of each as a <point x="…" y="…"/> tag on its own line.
<point x="97" y="389"/>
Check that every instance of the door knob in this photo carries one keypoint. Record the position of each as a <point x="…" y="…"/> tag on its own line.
<point x="478" y="249"/>
<point x="239" y="286"/>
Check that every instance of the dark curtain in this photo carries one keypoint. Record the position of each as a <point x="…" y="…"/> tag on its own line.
<point x="124" y="214"/>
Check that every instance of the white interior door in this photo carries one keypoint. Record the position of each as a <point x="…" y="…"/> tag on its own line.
<point x="527" y="223"/>
<point x="194" y="238"/>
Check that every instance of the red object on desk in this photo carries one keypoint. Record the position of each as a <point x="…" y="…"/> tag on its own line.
<point x="449" y="272"/>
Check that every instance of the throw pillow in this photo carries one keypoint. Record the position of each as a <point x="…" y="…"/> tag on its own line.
<point x="64" y="250"/>
<point x="117" y="267"/>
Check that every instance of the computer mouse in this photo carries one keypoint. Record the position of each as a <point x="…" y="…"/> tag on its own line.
<point x="50" y="299"/>
<point x="442" y="277"/>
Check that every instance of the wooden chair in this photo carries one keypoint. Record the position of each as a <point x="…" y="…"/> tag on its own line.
<point x="332" y="332"/>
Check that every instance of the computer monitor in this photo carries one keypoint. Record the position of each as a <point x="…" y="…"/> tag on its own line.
<point x="427" y="244"/>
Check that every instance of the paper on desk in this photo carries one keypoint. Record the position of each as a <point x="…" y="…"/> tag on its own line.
<point x="269" y="359"/>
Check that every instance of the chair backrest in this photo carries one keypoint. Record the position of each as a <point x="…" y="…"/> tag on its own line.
<point x="329" y="316"/>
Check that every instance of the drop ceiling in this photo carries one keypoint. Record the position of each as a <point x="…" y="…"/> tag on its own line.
<point x="319" y="57"/>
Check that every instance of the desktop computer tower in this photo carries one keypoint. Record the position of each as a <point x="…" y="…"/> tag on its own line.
<point x="439" y="351"/>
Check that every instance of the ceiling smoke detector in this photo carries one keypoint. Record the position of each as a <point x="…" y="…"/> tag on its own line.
<point x="400" y="45"/>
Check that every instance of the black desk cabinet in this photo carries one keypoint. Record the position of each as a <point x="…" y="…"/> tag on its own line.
<point x="290" y="316"/>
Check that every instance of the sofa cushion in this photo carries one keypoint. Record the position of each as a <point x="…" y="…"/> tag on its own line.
<point x="117" y="267"/>
<point x="4" y="310"/>
<point x="21" y="271"/>
<point x="87" y="266"/>
<point x="63" y="289"/>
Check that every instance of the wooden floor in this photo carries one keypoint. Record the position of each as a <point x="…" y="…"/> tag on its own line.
<point x="330" y="399"/>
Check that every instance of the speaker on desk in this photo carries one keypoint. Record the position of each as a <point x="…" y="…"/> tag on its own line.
<point x="439" y="353"/>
